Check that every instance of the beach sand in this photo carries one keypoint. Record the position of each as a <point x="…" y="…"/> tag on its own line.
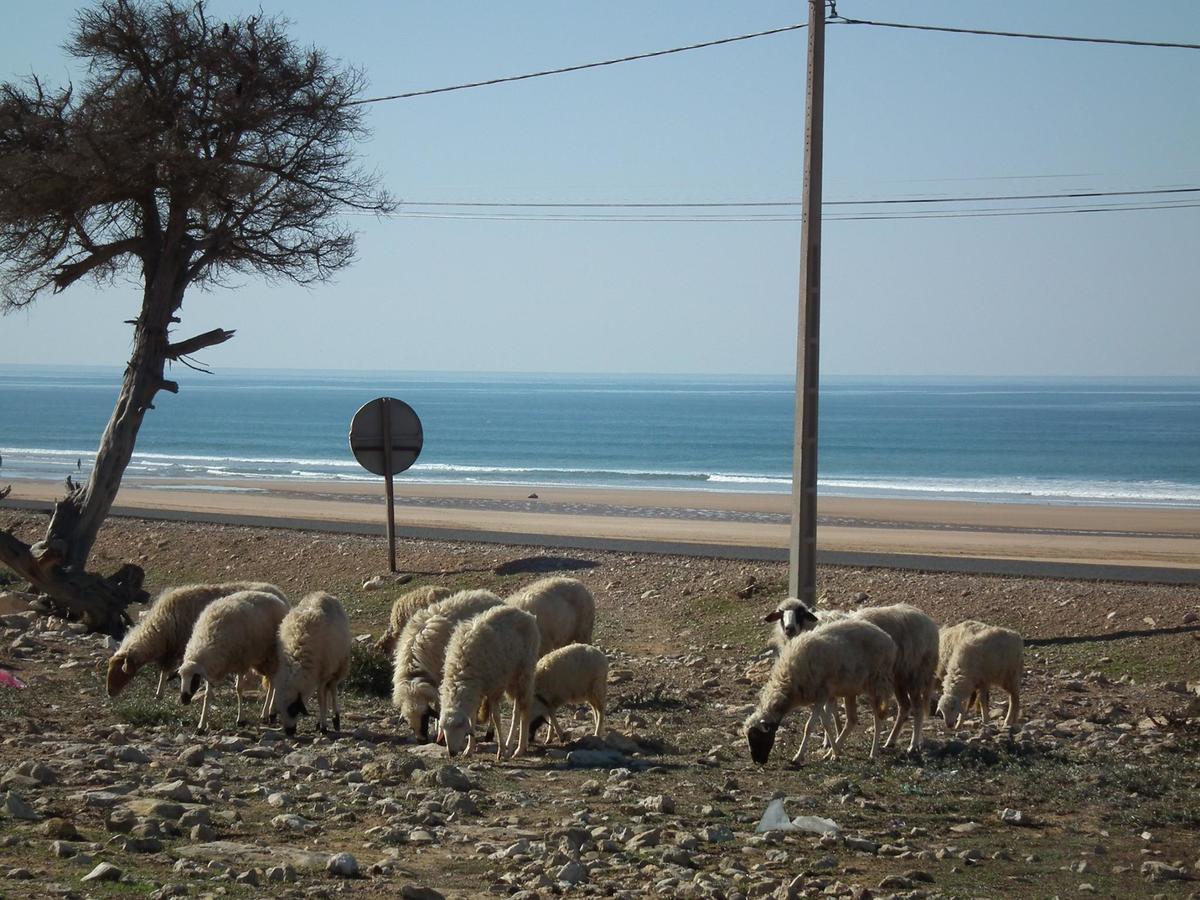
<point x="1133" y="536"/>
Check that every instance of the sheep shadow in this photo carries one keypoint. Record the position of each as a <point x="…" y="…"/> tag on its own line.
<point x="1110" y="636"/>
<point x="540" y="565"/>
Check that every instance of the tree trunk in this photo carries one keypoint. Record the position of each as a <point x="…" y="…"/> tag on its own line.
<point x="57" y="564"/>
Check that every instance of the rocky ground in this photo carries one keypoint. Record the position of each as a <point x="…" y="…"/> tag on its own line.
<point x="1097" y="791"/>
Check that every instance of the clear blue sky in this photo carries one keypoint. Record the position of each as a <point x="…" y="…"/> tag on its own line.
<point x="907" y="114"/>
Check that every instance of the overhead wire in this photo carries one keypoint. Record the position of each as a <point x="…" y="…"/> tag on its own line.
<point x="841" y="20"/>
<point x="780" y="203"/>
<point x="592" y="65"/>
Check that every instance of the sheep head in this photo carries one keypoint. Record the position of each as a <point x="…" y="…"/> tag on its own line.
<point x="191" y="676"/>
<point x="760" y="735"/>
<point x="121" y="670"/>
<point x="793" y="617"/>
<point x="419" y="706"/>
<point x="456" y="727"/>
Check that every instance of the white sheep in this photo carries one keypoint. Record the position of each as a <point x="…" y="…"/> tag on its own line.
<point x="841" y="659"/>
<point x="916" y="639"/>
<point x="162" y="634"/>
<point x="234" y="635"/>
<point x="576" y="673"/>
<point x="492" y="655"/>
<point x="421" y="654"/>
<point x="314" y="655"/>
<point x="406" y="606"/>
<point x="564" y="609"/>
<point x="993" y="655"/>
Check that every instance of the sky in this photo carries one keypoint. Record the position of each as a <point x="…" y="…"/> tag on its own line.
<point x="907" y="114"/>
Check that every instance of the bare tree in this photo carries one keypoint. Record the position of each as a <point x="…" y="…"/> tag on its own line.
<point x="192" y="151"/>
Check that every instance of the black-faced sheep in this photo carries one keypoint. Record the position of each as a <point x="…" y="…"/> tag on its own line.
<point x="163" y="632"/>
<point x="576" y="673"/>
<point x="841" y="659"/>
<point x="234" y="635"/>
<point x="492" y="655"/>
<point x="982" y="658"/>
<point x="564" y="609"/>
<point x="314" y="655"/>
<point x="421" y="654"/>
<point x="406" y="606"/>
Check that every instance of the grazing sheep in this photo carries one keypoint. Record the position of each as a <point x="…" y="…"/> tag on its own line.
<point x="164" y="629"/>
<point x="575" y="673"/>
<point x="563" y="607"/>
<point x="795" y="617"/>
<point x="916" y="639"/>
<point x="841" y="659"/>
<point x="405" y="607"/>
<point x="233" y="636"/>
<point x="982" y="658"/>
<point x="314" y="655"/>
<point x="421" y="654"/>
<point x="494" y="654"/>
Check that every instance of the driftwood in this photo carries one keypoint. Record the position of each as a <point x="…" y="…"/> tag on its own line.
<point x="99" y="602"/>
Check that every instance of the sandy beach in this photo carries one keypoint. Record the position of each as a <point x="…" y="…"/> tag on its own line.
<point x="1129" y="536"/>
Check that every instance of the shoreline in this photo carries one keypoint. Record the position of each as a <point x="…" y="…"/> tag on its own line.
<point x="1048" y="533"/>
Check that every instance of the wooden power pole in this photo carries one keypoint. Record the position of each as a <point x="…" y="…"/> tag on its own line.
<point x="802" y="574"/>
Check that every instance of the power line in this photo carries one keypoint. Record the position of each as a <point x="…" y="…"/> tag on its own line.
<point x="783" y="203"/>
<point x="785" y="217"/>
<point x="1017" y="34"/>
<point x="593" y="65"/>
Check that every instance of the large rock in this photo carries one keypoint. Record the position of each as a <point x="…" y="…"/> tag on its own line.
<point x="247" y="855"/>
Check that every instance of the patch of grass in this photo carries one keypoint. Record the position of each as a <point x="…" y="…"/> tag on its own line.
<point x="370" y="673"/>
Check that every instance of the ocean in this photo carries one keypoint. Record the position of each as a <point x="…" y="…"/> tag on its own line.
<point x="1069" y="441"/>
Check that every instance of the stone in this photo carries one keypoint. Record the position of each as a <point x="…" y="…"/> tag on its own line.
<point x="1156" y="871"/>
<point x="173" y="790"/>
<point x="659" y="803"/>
<point x="193" y="755"/>
<point x="454" y="778"/>
<point x="1014" y="817"/>
<point x="148" y="808"/>
<point x="595" y="759"/>
<point x="571" y="873"/>
<point x="420" y="892"/>
<point x="342" y="865"/>
<point x="251" y="855"/>
<point x="131" y="754"/>
<point x="103" y="872"/>
<point x="862" y="845"/>
<point x="715" y="834"/>
<point x="16" y="808"/>
<point x="896" y="883"/>
<point x="280" y="800"/>
<point x="292" y="822"/>
<point x="61" y="829"/>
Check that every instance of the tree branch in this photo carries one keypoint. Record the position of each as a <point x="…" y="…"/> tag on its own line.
<point x="199" y="342"/>
<point x="67" y="274"/>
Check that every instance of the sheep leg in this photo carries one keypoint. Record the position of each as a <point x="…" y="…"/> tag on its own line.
<point x="337" y="709"/>
<point x="876" y="722"/>
<point x="830" y="728"/>
<point x="203" y="726"/>
<point x="1014" y="705"/>
<point x="322" y="709"/>
<point x="985" y="702"/>
<point x="799" y="757"/>
<point x="162" y="680"/>
<point x="521" y="723"/>
<point x="905" y="706"/>
<point x="558" y="735"/>
<point x="598" y="714"/>
<point x="237" y="689"/>
<point x="268" y="702"/>
<point x="919" y="705"/>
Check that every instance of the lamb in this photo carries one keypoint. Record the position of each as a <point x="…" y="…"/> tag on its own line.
<point x="841" y="659"/>
<point x="492" y="655"/>
<point x="564" y="608"/>
<point x="421" y="654"/>
<point x="916" y="639"/>
<point x="574" y="673"/>
<point x="162" y="634"/>
<point x="314" y="655"/>
<point x="233" y="635"/>
<point x="993" y="655"/>
<point x="405" y="607"/>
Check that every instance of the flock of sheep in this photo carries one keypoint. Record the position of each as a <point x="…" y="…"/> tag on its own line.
<point x="455" y="656"/>
<point x="880" y="652"/>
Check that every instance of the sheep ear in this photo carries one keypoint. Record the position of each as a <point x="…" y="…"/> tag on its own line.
<point x="807" y="614"/>
<point x="774" y="616"/>
<point x="126" y="666"/>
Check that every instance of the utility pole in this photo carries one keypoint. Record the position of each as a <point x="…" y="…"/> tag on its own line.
<point x="802" y="548"/>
